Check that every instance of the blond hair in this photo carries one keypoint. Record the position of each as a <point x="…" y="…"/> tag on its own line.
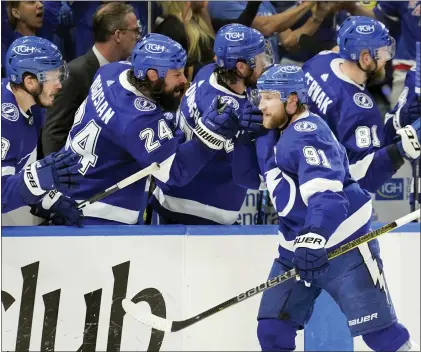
<point x="196" y="27"/>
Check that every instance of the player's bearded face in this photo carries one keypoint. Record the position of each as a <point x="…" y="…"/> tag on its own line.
<point x="175" y="84"/>
<point x="375" y="72"/>
<point x="273" y="110"/>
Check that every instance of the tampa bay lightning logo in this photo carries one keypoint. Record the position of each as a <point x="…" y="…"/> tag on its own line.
<point x="305" y="126"/>
<point x="9" y="111"/>
<point x="143" y="104"/>
<point x="363" y="100"/>
<point x="229" y="101"/>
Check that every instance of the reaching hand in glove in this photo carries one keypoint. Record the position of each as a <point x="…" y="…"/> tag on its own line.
<point x="56" y="171"/>
<point x="407" y="115"/>
<point x="218" y="123"/>
<point x="251" y="120"/>
<point x="61" y="210"/>
<point x="409" y="145"/>
<point x="310" y="257"/>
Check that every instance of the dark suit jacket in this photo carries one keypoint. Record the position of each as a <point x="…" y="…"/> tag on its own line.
<point x="59" y="118"/>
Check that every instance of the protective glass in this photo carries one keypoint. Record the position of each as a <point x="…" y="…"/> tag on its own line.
<point x="386" y="53"/>
<point x="58" y="74"/>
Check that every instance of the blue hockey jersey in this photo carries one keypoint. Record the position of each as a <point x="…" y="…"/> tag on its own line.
<point x="213" y="196"/>
<point x="118" y="131"/>
<point x="19" y="136"/>
<point x="351" y="113"/>
<point x="307" y="175"/>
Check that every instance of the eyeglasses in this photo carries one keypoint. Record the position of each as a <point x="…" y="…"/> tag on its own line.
<point x="135" y="30"/>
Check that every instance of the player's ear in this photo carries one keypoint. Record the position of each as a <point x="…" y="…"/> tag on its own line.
<point x="152" y="75"/>
<point x="30" y="81"/>
<point x="241" y="68"/>
<point x="365" y="57"/>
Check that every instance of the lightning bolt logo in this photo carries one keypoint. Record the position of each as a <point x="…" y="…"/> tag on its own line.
<point x="272" y="181"/>
<point x="373" y="269"/>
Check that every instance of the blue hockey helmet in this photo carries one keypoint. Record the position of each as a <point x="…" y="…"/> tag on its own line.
<point x="359" y="33"/>
<point x="37" y="56"/>
<point x="236" y="42"/>
<point x="158" y="52"/>
<point x="285" y="80"/>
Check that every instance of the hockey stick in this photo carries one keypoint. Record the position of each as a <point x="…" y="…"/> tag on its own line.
<point x="119" y="185"/>
<point x="172" y="326"/>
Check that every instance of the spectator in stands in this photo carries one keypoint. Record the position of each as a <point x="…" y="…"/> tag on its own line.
<point x="188" y="23"/>
<point x="23" y="18"/>
<point x="116" y="32"/>
<point x="267" y="21"/>
<point x="314" y="32"/>
<point x="82" y="13"/>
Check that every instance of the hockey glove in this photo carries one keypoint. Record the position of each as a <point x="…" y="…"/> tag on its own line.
<point x="407" y="115"/>
<point x="409" y="145"/>
<point x="310" y="257"/>
<point x="56" y="171"/>
<point x="251" y="120"/>
<point x="61" y="210"/>
<point x="218" y="123"/>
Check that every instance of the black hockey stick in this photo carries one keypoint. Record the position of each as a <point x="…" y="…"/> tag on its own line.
<point x="147" y="215"/>
<point x="173" y="326"/>
<point x="119" y="185"/>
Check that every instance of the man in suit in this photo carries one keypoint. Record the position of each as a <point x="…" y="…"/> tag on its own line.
<point x="116" y="32"/>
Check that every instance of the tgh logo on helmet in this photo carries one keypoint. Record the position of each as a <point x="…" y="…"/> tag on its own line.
<point x="154" y="48"/>
<point x="365" y="29"/>
<point x="234" y="36"/>
<point x="26" y="50"/>
<point x="289" y="69"/>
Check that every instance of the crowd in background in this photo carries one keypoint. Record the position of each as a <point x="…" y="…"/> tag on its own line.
<point x="91" y="34"/>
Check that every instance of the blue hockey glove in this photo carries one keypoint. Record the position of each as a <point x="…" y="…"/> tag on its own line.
<point x="56" y="171"/>
<point x="409" y="145"/>
<point x="61" y="210"/>
<point x="310" y="257"/>
<point x="407" y="115"/>
<point x="218" y="123"/>
<point x="65" y="15"/>
<point x="251" y="120"/>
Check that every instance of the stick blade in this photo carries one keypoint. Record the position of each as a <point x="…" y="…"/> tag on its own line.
<point x="148" y="319"/>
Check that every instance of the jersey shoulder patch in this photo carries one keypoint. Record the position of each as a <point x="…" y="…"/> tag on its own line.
<point x="305" y="126"/>
<point x="9" y="111"/>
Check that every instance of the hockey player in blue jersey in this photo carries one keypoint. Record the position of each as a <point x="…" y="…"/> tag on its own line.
<point x="215" y="195"/>
<point x="121" y="128"/>
<point x="320" y="207"/>
<point x="338" y="93"/>
<point x="35" y="69"/>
